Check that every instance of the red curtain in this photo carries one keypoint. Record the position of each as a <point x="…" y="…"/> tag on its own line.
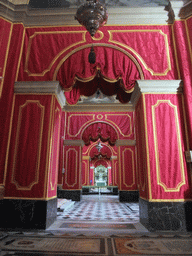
<point x="101" y="162"/>
<point x="113" y="73"/>
<point x="101" y="131"/>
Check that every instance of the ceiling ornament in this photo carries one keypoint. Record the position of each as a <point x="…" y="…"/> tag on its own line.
<point x="92" y="15"/>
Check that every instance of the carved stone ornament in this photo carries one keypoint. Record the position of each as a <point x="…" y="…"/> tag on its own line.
<point x="92" y="15"/>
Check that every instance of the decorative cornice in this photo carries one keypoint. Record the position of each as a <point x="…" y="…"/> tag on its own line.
<point x="65" y="16"/>
<point x="73" y="143"/>
<point x="125" y="143"/>
<point x="160" y="86"/>
<point x="48" y="87"/>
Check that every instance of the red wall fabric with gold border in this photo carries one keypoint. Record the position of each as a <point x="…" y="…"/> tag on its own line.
<point x="122" y="122"/>
<point x="11" y="43"/>
<point x="54" y="150"/>
<point x="141" y="151"/>
<point x="127" y="165"/>
<point x="29" y="149"/>
<point x="167" y="169"/>
<point x="72" y="163"/>
<point x="156" y="56"/>
<point x="183" y="40"/>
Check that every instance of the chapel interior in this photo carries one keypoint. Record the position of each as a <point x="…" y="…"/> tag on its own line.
<point x="117" y="124"/>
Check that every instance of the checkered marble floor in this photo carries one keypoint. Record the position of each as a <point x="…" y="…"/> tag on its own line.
<point x="101" y="208"/>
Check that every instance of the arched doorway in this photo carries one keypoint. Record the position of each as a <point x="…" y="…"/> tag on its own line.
<point x="99" y="150"/>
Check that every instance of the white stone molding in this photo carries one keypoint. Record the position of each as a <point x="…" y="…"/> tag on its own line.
<point x="160" y="86"/>
<point x="45" y="87"/>
<point x="73" y="143"/>
<point x="125" y="143"/>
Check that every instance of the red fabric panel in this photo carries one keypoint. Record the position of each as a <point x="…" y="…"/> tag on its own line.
<point x="182" y="34"/>
<point x="61" y="148"/>
<point x="72" y="176"/>
<point x="128" y="168"/>
<point x="85" y="173"/>
<point x="5" y="32"/>
<point x="7" y="92"/>
<point x="91" y="176"/>
<point x="54" y="155"/>
<point x="29" y="147"/>
<point x="148" y="44"/>
<point x="168" y="170"/>
<point x="115" y="166"/>
<point x="122" y="123"/>
<point x="110" y="177"/>
<point x="101" y="131"/>
<point x="112" y="64"/>
<point x="141" y="151"/>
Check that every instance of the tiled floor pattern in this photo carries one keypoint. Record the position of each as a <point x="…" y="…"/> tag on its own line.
<point x="99" y="215"/>
<point x="101" y="208"/>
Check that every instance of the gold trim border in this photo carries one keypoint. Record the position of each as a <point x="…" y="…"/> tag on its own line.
<point x="67" y="159"/>
<point x="159" y="182"/>
<point x="133" y="167"/>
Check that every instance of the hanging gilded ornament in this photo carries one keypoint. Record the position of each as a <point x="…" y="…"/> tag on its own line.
<point x="92" y="15"/>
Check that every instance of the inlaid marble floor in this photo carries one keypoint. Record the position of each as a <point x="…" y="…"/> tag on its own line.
<point x="99" y="214"/>
<point x="101" y="208"/>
